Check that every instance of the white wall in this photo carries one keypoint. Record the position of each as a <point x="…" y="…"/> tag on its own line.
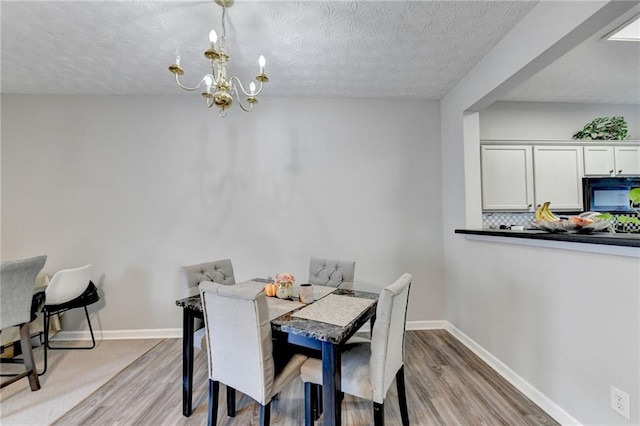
<point x="535" y="120"/>
<point x="567" y="323"/>
<point x="138" y="186"/>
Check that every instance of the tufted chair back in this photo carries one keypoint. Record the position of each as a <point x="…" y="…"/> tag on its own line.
<point x="332" y="273"/>
<point x="218" y="271"/>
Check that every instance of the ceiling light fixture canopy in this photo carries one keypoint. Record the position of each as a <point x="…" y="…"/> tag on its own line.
<point x="223" y="88"/>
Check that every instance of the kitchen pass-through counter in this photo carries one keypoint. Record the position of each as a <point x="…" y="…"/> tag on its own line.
<point x="624" y="244"/>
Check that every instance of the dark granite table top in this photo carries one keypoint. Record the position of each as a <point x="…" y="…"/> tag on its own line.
<point x="321" y="331"/>
<point x="605" y="238"/>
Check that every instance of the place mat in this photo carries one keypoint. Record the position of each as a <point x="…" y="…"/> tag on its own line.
<point x="320" y="291"/>
<point x="279" y="307"/>
<point x="335" y="309"/>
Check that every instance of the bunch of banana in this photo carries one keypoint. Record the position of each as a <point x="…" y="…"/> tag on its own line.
<point x="543" y="213"/>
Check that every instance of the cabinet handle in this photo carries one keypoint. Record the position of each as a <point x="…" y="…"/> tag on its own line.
<point x="530" y="205"/>
<point x="620" y="171"/>
<point x="610" y="172"/>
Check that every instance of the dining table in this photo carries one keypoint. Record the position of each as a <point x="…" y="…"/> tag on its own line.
<point x="324" y="325"/>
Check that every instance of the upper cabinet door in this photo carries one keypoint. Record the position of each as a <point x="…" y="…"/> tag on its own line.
<point x="507" y="177"/>
<point x="557" y="176"/>
<point x="598" y="161"/>
<point x="627" y="160"/>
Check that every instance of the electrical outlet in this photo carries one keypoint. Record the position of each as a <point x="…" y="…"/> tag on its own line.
<point x="620" y="402"/>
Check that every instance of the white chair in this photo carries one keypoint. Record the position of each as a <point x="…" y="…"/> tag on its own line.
<point x="331" y="272"/>
<point x="17" y="281"/>
<point x="240" y="347"/>
<point x="69" y="289"/>
<point x="368" y="369"/>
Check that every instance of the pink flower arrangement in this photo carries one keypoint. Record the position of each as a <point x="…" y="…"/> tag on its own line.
<point x="285" y="278"/>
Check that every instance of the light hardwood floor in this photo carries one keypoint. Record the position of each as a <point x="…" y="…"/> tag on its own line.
<point x="446" y="385"/>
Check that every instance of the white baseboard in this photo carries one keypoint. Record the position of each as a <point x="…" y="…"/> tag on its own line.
<point x="540" y="399"/>
<point x="414" y="325"/>
<point x="426" y="325"/>
<point x="172" y="333"/>
<point x="161" y="333"/>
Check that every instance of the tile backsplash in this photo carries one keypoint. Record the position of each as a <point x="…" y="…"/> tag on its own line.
<point x="493" y="220"/>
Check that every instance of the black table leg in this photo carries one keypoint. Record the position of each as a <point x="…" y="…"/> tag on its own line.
<point x="372" y="321"/>
<point x="187" y="360"/>
<point x="331" y="384"/>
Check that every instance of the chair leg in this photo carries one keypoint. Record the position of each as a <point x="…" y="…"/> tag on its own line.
<point x="27" y="355"/>
<point x="47" y="320"/>
<point x="231" y="401"/>
<point x="93" y="339"/>
<point x="402" y="396"/>
<point x="378" y="414"/>
<point x="318" y="411"/>
<point x="265" y="414"/>
<point x="27" y="360"/>
<point x="309" y="403"/>
<point x="214" y="388"/>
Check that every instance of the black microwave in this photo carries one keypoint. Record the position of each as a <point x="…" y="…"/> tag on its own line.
<point x="609" y="194"/>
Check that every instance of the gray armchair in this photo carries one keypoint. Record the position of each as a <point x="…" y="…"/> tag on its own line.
<point x="240" y="349"/>
<point x="17" y="281"/>
<point x="332" y="273"/>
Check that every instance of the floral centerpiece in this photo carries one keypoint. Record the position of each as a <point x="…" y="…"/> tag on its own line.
<point x="285" y="285"/>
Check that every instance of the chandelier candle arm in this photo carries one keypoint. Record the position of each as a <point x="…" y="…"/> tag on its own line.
<point x="191" y="89"/>
<point x="225" y="88"/>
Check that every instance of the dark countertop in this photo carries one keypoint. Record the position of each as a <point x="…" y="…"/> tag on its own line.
<point x="605" y="238"/>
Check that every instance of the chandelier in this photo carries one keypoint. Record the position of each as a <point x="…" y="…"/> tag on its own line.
<point x="219" y="90"/>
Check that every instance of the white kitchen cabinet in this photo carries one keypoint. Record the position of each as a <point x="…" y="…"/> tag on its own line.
<point x="627" y="160"/>
<point x="611" y="160"/>
<point x="599" y="161"/>
<point x="557" y="176"/>
<point x="507" y="178"/>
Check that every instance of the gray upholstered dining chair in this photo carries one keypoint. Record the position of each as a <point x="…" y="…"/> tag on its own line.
<point x="17" y="282"/>
<point x="240" y="347"/>
<point x="331" y="272"/>
<point x="368" y="369"/>
<point x="217" y="271"/>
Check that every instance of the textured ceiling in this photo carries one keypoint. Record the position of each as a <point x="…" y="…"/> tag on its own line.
<point x="394" y="49"/>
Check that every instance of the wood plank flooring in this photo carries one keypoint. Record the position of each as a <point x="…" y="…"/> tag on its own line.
<point x="446" y="385"/>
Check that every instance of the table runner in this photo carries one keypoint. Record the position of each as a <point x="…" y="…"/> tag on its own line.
<point x="335" y="309"/>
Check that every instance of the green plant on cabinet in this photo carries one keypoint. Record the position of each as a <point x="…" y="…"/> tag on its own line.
<point x="604" y="128"/>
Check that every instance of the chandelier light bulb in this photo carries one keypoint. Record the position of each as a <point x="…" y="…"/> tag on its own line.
<point x="208" y="80"/>
<point x="262" y="62"/>
<point x="177" y="57"/>
<point x="252" y="87"/>
<point x="213" y="37"/>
